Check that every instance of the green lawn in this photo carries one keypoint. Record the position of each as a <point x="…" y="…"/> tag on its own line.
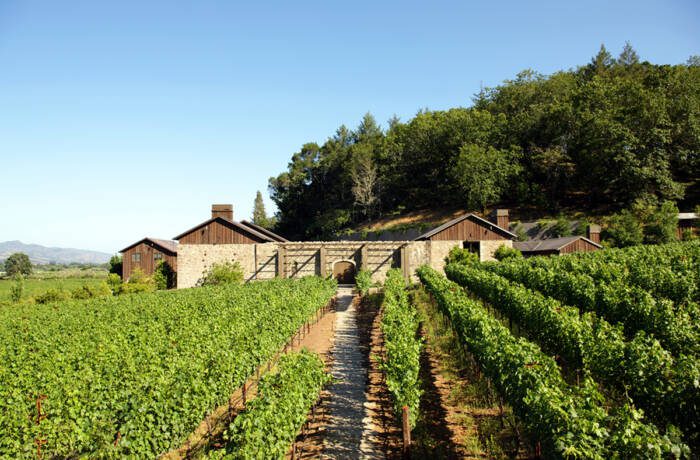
<point x="35" y="286"/>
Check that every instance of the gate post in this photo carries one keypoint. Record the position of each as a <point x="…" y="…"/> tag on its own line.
<point x="281" y="261"/>
<point x="322" y="261"/>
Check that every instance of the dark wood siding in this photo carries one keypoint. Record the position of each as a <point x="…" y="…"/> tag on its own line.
<point x="218" y="233"/>
<point x="147" y="250"/>
<point x="579" y="245"/>
<point x="467" y="230"/>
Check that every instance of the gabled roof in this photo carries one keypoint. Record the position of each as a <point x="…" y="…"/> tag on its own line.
<point x="264" y="231"/>
<point x="165" y="245"/>
<point x="473" y="217"/>
<point x="550" y="244"/>
<point x="230" y="224"/>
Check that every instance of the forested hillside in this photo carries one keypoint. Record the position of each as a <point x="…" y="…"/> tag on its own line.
<point x="595" y="138"/>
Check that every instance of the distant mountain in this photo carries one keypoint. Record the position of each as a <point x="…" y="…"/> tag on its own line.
<point x="42" y="255"/>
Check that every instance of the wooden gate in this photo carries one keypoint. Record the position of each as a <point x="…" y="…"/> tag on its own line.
<point x="344" y="272"/>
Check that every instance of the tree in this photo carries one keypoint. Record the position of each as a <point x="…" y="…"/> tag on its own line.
<point x="624" y="229"/>
<point x="18" y="264"/>
<point x="628" y="56"/>
<point x="17" y="289"/>
<point x="259" y="215"/>
<point x="222" y="273"/>
<point x="365" y="181"/>
<point x="483" y="174"/>
<point x="164" y="276"/>
<point x="601" y="61"/>
<point x="693" y="61"/>
<point x="661" y="224"/>
<point x="115" y="264"/>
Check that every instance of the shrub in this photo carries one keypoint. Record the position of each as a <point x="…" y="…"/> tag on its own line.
<point x="138" y="282"/>
<point x="115" y="265"/>
<point x="688" y="235"/>
<point x="17" y="289"/>
<point x="504" y="252"/>
<point x="363" y="280"/>
<point x="88" y="292"/>
<point x="222" y="273"/>
<point x="18" y="264"/>
<point x="661" y="224"/>
<point x="52" y="295"/>
<point x="561" y="227"/>
<point x="461" y="256"/>
<point x="114" y="283"/>
<point x="624" y="230"/>
<point x="164" y="276"/>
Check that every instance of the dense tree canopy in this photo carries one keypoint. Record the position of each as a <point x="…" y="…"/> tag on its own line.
<point x="600" y="136"/>
<point x="18" y="264"/>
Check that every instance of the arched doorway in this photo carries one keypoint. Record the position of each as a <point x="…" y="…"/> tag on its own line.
<point x="344" y="271"/>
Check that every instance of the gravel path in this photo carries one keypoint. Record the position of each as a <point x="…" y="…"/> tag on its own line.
<point x="347" y="422"/>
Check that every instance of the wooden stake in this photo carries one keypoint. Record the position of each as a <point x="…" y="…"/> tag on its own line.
<point x="406" y="432"/>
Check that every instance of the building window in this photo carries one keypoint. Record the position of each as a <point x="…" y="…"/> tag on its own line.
<point x="136" y="257"/>
<point x="157" y="256"/>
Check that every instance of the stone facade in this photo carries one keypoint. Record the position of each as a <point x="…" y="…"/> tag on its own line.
<point x="297" y="259"/>
<point x="488" y="248"/>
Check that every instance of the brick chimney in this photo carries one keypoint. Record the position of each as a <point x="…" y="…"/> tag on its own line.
<point x="501" y="218"/>
<point x="222" y="210"/>
<point x="593" y="233"/>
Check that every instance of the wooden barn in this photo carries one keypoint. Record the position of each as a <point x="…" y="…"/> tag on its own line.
<point x="556" y="246"/>
<point x="222" y="229"/>
<point x="474" y="233"/>
<point x="146" y="254"/>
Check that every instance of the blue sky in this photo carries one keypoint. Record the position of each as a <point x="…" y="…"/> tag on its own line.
<point x="125" y="119"/>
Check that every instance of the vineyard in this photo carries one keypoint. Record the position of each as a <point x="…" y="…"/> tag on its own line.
<point x="595" y="352"/>
<point x="134" y="375"/>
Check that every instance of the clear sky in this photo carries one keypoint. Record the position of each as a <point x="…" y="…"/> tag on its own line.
<point x="126" y="119"/>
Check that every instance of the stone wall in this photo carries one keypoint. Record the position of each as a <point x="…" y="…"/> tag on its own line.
<point x="294" y="260"/>
<point x="488" y="248"/>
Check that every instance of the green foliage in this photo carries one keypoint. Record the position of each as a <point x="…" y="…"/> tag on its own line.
<point x="147" y="368"/>
<point x="164" y="276"/>
<point x="138" y="282"/>
<point x="18" y="264"/>
<point x="505" y="253"/>
<point x="519" y="230"/>
<point x="222" y="273"/>
<point x="53" y="295"/>
<point x="644" y="288"/>
<point x="624" y="230"/>
<point x="688" y="235"/>
<point x="654" y="380"/>
<point x="403" y="346"/>
<point x="363" y="281"/>
<point x="114" y="282"/>
<point x="561" y="227"/>
<point x="661" y="224"/>
<point x="483" y="173"/>
<point x="602" y="135"/>
<point x="270" y="423"/>
<point x="461" y="256"/>
<point x="87" y="292"/>
<point x="17" y="289"/>
<point x="259" y="214"/>
<point x="570" y="421"/>
<point x="116" y="264"/>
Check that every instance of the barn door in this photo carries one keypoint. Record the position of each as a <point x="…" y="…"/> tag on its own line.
<point x="344" y="272"/>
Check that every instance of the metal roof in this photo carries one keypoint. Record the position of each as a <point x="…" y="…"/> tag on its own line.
<point x="459" y="219"/>
<point x="549" y="244"/>
<point x="167" y="245"/>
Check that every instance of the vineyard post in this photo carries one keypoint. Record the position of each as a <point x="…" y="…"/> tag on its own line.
<point x="406" y="432"/>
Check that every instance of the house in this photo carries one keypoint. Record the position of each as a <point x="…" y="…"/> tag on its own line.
<point x="146" y="254"/>
<point x="222" y="229"/>
<point x="474" y="233"/>
<point x="556" y="246"/>
<point x="688" y="222"/>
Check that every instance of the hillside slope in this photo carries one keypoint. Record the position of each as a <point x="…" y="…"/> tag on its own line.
<point x="42" y="255"/>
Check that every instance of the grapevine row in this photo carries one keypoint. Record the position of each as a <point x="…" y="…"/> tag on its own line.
<point x="132" y="376"/>
<point x="570" y="421"/>
<point x="403" y="347"/>
<point x="661" y="385"/>
<point x="271" y="422"/>
<point x="617" y="302"/>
